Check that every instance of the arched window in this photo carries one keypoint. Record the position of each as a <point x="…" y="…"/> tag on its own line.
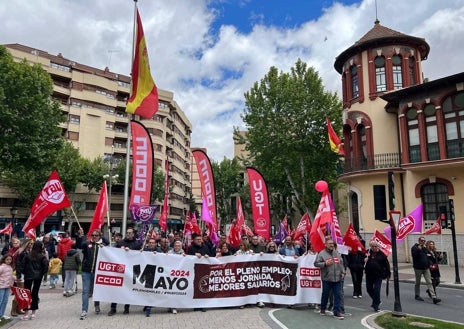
<point x="380" y="78"/>
<point x="453" y="113"/>
<point x="413" y="135"/>
<point x="433" y="196"/>
<point x="433" y="152"/>
<point x="412" y="71"/>
<point x="362" y="150"/>
<point x="354" y="81"/>
<point x="397" y="72"/>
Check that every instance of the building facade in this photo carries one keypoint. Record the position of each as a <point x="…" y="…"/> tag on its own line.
<point x="94" y="102"/>
<point x="397" y="122"/>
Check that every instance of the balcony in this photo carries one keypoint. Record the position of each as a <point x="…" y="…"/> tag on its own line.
<point x="374" y="162"/>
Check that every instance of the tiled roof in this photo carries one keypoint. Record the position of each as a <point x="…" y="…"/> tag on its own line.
<point x="378" y="32"/>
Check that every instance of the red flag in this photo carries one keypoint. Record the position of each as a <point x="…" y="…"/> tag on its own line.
<point x="436" y="227"/>
<point x="304" y="226"/>
<point x="259" y="203"/>
<point x="142" y="164"/>
<point x="240" y="215"/>
<point x="351" y="240"/>
<point x="196" y="228"/>
<point x="191" y="225"/>
<point x="52" y="198"/>
<point x="163" y="221"/>
<point x="234" y="237"/>
<point x="318" y="230"/>
<point x="144" y="94"/>
<point x="100" y="211"/>
<point x="383" y="241"/>
<point x="22" y="296"/>
<point x="335" y="142"/>
<point x="247" y="230"/>
<point x="7" y="230"/>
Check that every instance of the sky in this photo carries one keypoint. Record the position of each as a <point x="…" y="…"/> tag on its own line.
<point x="210" y="52"/>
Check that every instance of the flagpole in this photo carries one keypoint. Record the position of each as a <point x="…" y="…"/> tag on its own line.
<point x="75" y="216"/>
<point x="129" y="133"/>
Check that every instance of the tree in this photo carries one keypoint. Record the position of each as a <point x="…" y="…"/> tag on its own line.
<point x="30" y="136"/>
<point x="228" y="181"/>
<point x="287" y="139"/>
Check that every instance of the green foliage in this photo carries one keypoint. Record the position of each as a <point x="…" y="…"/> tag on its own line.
<point x="388" y="321"/>
<point x="30" y="136"/>
<point x="287" y="139"/>
<point x="228" y="181"/>
<point x="92" y="172"/>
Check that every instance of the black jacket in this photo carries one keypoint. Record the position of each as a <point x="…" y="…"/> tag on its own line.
<point x="90" y="252"/>
<point x="377" y="266"/>
<point x="72" y="261"/>
<point x="419" y="257"/>
<point x="203" y="250"/>
<point x="355" y="261"/>
<point x="33" y="268"/>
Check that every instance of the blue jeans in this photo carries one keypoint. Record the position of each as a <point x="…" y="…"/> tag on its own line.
<point x="87" y="281"/>
<point x="373" y="286"/>
<point x="335" y="288"/>
<point x="4" y="293"/>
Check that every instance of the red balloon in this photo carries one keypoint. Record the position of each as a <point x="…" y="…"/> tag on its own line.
<point x="321" y="186"/>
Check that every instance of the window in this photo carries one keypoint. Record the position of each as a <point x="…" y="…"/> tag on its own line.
<point x="72" y="135"/>
<point x="412" y="71"/>
<point x="433" y="152"/>
<point x="109" y="125"/>
<point x="354" y="81"/>
<point x="380" y="73"/>
<point x="413" y="134"/>
<point x="397" y="72"/>
<point x="74" y="119"/>
<point x="433" y="196"/>
<point x="453" y="112"/>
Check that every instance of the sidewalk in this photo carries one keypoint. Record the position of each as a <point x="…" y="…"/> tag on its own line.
<point x="447" y="273"/>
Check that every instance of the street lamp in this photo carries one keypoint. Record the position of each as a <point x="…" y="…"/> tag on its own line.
<point x="395" y="216"/>
<point x="13" y="212"/>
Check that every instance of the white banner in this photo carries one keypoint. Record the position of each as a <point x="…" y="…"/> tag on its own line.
<point x="145" y="278"/>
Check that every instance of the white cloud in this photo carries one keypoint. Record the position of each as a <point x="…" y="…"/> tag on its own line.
<point x="191" y="60"/>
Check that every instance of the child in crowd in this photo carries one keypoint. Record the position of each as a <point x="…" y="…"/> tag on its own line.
<point x="6" y="280"/>
<point x="54" y="266"/>
<point x="72" y="262"/>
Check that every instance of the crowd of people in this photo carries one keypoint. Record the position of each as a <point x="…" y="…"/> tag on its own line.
<point x="32" y="263"/>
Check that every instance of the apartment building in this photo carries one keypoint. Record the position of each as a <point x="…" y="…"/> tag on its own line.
<point x="94" y="102"/>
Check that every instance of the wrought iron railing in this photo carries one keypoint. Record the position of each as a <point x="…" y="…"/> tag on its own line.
<point x="376" y="161"/>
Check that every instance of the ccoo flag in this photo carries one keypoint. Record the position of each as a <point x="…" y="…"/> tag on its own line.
<point x="144" y="94"/>
<point x="335" y="143"/>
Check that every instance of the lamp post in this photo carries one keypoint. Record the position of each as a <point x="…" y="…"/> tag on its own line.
<point x="13" y="213"/>
<point x="394" y="218"/>
<point x="110" y="177"/>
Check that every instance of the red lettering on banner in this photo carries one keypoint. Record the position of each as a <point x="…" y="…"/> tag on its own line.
<point x="109" y="280"/>
<point x="310" y="271"/>
<point x="310" y="284"/>
<point x="111" y="267"/>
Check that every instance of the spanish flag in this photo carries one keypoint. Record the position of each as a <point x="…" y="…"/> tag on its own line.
<point x="144" y="94"/>
<point x="335" y="143"/>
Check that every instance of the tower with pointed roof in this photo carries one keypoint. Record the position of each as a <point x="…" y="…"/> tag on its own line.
<point x="396" y="122"/>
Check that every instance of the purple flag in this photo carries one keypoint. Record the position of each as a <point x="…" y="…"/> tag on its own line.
<point x="141" y="213"/>
<point x="412" y="223"/>
<point x="281" y="234"/>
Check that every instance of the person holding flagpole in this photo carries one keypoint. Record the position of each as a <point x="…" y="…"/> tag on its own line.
<point x="89" y="262"/>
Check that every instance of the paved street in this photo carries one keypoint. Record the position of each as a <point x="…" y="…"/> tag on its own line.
<point x="61" y="312"/>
